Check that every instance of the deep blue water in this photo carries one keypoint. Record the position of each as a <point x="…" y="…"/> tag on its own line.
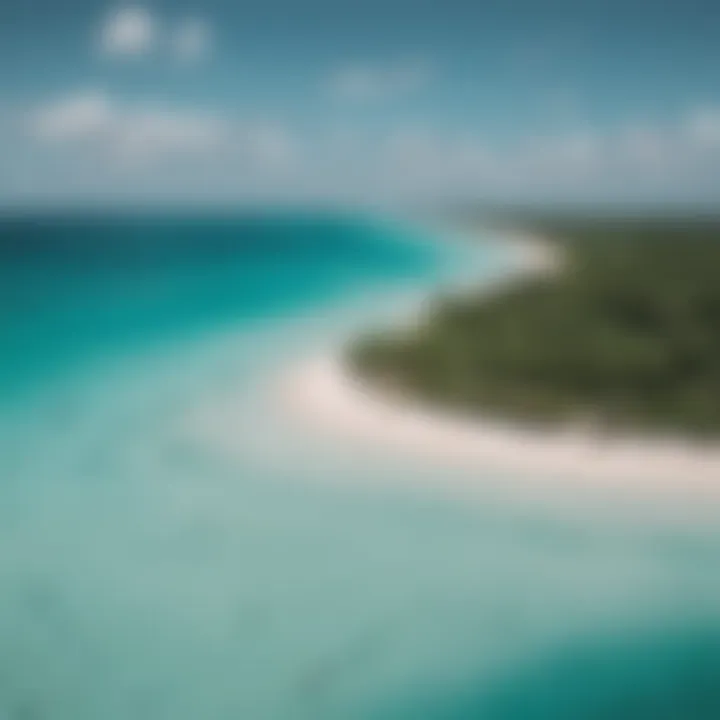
<point x="75" y="285"/>
<point x="172" y="547"/>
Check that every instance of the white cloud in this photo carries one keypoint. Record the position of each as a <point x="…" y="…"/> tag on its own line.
<point x="126" y="133"/>
<point x="425" y="157"/>
<point x="702" y="127"/>
<point x="580" y="153"/>
<point x="153" y="134"/>
<point x="154" y="147"/>
<point x="128" y="31"/>
<point x="629" y="160"/>
<point x="646" y="146"/>
<point x="370" y="83"/>
<point x="80" y="115"/>
<point x="133" y="31"/>
<point x="271" y="146"/>
<point x="191" y="40"/>
<point x="138" y="137"/>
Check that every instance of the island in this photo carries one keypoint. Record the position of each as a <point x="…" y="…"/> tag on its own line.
<point x="595" y="363"/>
<point x="624" y="334"/>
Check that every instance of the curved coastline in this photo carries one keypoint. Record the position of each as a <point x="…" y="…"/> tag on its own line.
<point x="325" y="395"/>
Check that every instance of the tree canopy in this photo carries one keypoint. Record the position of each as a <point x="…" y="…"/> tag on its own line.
<point x="626" y="333"/>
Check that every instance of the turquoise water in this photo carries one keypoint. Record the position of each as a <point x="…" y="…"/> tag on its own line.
<point x="171" y="546"/>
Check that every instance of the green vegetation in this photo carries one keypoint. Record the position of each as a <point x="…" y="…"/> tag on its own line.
<point x="625" y="334"/>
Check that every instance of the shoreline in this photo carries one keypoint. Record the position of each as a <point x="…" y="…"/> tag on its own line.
<point x="324" y="395"/>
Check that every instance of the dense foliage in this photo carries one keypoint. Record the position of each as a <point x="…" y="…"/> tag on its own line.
<point x="626" y="333"/>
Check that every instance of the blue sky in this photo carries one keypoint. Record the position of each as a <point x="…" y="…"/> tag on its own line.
<point x="395" y="100"/>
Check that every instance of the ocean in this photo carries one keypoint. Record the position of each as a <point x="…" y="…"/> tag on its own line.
<point x="173" y="547"/>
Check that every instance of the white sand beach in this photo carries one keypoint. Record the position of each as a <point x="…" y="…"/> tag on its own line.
<point x="322" y="394"/>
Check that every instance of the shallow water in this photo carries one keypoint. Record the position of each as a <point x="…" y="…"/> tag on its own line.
<point x="147" y="572"/>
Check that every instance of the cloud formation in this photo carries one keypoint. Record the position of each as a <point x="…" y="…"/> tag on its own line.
<point x="79" y="115"/>
<point x="133" y="31"/>
<point x="136" y="137"/>
<point x="703" y="127"/>
<point x="161" y="147"/>
<point x="128" y="32"/>
<point x="367" y="83"/>
<point x="628" y="161"/>
<point x="126" y="133"/>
